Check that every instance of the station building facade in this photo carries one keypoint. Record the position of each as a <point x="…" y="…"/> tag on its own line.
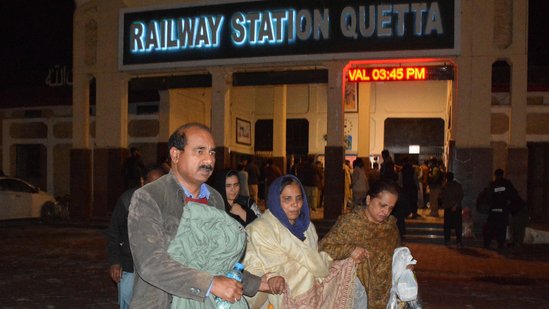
<point x="278" y="79"/>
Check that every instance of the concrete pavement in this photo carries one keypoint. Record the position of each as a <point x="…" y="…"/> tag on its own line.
<point x="54" y="267"/>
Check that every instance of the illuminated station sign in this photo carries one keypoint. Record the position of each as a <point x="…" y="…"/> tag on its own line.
<point x="305" y="28"/>
<point x="400" y="73"/>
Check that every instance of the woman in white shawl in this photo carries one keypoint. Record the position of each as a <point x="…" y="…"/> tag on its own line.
<point x="283" y="242"/>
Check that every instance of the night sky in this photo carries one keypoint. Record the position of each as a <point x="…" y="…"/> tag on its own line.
<point x="37" y="35"/>
<point x="538" y="38"/>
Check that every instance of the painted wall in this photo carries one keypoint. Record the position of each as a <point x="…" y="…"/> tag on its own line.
<point x="404" y="100"/>
<point x="305" y="101"/>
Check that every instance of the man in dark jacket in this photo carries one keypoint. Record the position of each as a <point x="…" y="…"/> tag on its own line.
<point x="502" y="193"/>
<point x="118" y="245"/>
<point x="451" y="196"/>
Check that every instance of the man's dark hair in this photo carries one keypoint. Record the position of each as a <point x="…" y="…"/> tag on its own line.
<point x="450" y="176"/>
<point x="178" y="139"/>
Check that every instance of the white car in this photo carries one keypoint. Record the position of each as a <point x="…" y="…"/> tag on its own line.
<point x="19" y="199"/>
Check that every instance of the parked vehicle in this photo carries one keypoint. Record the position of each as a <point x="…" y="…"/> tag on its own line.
<point x="20" y="199"/>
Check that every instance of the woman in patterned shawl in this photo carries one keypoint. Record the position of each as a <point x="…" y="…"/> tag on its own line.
<point x="283" y="242"/>
<point x="369" y="231"/>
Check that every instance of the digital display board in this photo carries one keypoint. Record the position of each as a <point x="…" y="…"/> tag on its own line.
<point x="400" y="73"/>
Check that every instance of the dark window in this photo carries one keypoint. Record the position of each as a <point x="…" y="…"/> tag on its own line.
<point x="92" y="95"/>
<point x="297" y="135"/>
<point x="263" y="135"/>
<point x="501" y="76"/>
<point x="31" y="164"/>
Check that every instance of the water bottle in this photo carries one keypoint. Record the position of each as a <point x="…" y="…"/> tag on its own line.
<point x="236" y="274"/>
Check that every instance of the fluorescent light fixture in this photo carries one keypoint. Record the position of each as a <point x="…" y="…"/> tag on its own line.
<point x="413" y="149"/>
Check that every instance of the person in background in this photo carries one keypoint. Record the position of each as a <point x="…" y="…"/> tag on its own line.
<point x="410" y="186"/>
<point x="134" y="169"/>
<point x="308" y="175"/>
<point x="373" y="173"/>
<point x="359" y="182"/>
<point x="502" y="194"/>
<point x="451" y="196"/>
<point x="387" y="171"/>
<point x="348" y="202"/>
<point x="156" y="212"/>
<point x="242" y="208"/>
<point x="253" y="179"/>
<point x="369" y="234"/>
<point x="424" y="183"/>
<point x="243" y="177"/>
<point x="118" y="246"/>
<point x="436" y="178"/>
<point x="320" y="174"/>
<point x="271" y="171"/>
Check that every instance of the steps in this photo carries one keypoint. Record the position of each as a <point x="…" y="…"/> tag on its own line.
<point x="424" y="232"/>
<point x="417" y="230"/>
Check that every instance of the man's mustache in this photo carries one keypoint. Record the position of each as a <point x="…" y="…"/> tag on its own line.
<point x="206" y="167"/>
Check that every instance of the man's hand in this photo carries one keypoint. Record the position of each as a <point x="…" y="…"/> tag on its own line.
<point x="226" y="288"/>
<point x="116" y="272"/>
<point x="359" y="255"/>
<point x="272" y="284"/>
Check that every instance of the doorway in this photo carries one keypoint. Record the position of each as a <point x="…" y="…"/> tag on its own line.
<point x="427" y="133"/>
<point x="538" y="181"/>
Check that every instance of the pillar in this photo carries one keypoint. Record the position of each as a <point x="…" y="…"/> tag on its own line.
<point x="81" y="186"/>
<point x="279" y="126"/>
<point x="335" y="152"/>
<point x="179" y="106"/>
<point x="220" y="115"/>
<point x="111" y="121"/>
<point x="517" y="149"/>
<point x="364" y="118"/>
<point x="111" y="140"/>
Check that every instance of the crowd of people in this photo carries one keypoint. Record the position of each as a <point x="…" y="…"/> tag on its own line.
<point x="430" y="186"/>
<point x="173" y="237"/>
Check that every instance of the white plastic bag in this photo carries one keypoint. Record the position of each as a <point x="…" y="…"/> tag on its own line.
<point x="405" y="286"/>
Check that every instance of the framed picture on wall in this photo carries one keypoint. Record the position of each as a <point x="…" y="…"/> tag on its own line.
<point x="350" y="101"/>
<point x="243" y="132"/>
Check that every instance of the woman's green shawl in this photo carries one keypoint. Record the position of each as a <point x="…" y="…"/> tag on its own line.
<point x="209" y="240"/>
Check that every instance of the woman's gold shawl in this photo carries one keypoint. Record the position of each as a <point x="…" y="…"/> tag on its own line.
<point x="355" y="230"/>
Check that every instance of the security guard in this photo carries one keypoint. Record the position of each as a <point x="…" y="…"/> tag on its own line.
<point x="502" y="193"/>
